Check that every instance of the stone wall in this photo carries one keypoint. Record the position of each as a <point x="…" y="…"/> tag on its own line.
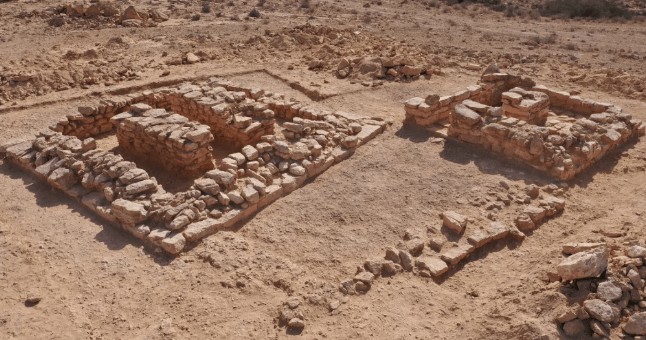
<point x="235" y="117"/>
<point x="117" y="190"/>
<point x="166" y="139"/>
<point x="507" y="118"/>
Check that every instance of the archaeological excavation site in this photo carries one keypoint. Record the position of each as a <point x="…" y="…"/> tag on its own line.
<point x="323" y="169"/>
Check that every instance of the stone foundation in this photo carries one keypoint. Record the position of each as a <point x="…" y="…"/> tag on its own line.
<point x="272" y="166"/>
<point x="549" y="130"/>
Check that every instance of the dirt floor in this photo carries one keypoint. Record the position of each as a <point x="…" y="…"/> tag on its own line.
<point x="95" y="282"/>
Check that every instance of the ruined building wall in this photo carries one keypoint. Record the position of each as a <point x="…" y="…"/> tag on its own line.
<point x="166" y="139"/>
<point x="559" y="148"/>
<point x="125" y="195"/>
<point x="235" y="118"/>
<point x="434" y="109"/>
<point x="510" y="115"/>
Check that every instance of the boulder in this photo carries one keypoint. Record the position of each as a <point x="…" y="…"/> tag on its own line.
<point x="636" y="324"/>
<point x="207" y="185"/>
<point x="131" y="14"/>
<point x="250" y="152"/>
<point x="591" y="263"/>
<point x="411" y="71"/>
<point x="365" y="277"/>
<point x="608" y="291"/>
<point x="222" y="177"/>
<point x="434" y="265"/>
<point x="636" y="251"/>
<point x="574" y="328"/>
<point x="600" y="310"/>
<point x="174" y="243"/>
<point x="62" y="178"/>
<point x="140" y="187"/>
<point x="406" y="260"/>
<point x="191" y="58"/>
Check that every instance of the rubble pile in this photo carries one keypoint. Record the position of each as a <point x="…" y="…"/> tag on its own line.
<point x="392" y="69"/>
<point x="269" y="167"/>
<point x="549" y="130"/>
<point x="606" y="283"/>
<point x="104" y="11"/>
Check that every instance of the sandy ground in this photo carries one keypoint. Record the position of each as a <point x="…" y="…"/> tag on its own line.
<point x="97" y="283"/>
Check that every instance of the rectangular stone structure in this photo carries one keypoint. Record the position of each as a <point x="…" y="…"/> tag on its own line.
<point x="552" y="131"/>
<point x="268" y="166"/>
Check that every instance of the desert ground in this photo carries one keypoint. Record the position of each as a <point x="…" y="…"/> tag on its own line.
<point x="67" y="274"/>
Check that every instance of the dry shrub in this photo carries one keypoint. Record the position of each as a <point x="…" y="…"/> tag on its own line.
<point x="585" y="9"/>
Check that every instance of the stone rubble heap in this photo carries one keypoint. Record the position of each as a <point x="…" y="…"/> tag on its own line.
<point x="129" y="17"/>
<point x="607" y="283"/>
<point x="392" y="69"/>
<point x="510" y="115"/>
<point x="263" y="171"/>
<point x="169" y="140"/>
<point x="435" y="256"/>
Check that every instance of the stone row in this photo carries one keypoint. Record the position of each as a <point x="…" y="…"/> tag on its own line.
<point x="435" y="257"/>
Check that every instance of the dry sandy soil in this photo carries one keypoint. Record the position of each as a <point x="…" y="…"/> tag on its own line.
<point x="97" y="283"/>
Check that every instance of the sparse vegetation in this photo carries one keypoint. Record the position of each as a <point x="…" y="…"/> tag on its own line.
<point x="206" y="7"/>
<point x="585" y="9"/>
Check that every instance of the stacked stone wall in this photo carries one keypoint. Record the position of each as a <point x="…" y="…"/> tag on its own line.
<point x="166" y="139"/>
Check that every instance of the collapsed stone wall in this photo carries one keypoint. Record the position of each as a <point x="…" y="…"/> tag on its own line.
<point x="245" y="181"/>
<point x="562" y="146"/>
<point x="434" y="109"/>
<point x="167" y="139"/>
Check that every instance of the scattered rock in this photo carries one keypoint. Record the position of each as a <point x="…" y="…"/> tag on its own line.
<point x="296" y="323"/>
<point x="192" y="58"/>
<point x="636" y="251"/>
<point x="32" y="301"/>
<point x="454" y="221"/>
<point x="636" y="324"/>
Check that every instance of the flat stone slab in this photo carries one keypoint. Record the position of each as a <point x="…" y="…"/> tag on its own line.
<point x="452" y="256"/>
